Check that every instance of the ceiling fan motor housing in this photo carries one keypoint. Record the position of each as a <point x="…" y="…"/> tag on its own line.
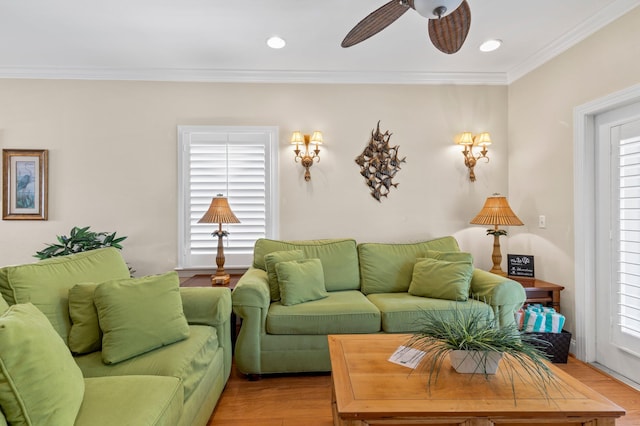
<point x="432" y="9"/>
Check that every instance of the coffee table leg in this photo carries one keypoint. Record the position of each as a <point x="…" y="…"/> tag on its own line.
<point x="337" y="421"/>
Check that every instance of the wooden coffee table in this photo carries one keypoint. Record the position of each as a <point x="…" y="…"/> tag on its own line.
<point x="369" y="390"/>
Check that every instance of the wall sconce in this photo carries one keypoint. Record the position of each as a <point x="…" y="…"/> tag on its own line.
<point x="307" y="157"/>
<point x="469" y="141"/>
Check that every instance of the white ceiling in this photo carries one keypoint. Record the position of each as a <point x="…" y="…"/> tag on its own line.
<point x="214" y="40"/>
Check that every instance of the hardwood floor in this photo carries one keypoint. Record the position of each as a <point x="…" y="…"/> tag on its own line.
<point x="292" y="400"/>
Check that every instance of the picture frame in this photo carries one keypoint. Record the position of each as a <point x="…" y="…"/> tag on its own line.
<point x="25" y="184"/>
<point x="520" y="265"/>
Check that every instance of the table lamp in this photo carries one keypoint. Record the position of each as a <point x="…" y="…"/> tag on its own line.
<point x="496" y="211"/>
<point x="219" y="212"/>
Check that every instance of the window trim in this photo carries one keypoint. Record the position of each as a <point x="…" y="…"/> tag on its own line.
<point x="272" y="213"/>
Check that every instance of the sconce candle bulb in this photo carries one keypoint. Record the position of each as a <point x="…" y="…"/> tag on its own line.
<point x="468" y="140"/>
<point x="308" y="156"/>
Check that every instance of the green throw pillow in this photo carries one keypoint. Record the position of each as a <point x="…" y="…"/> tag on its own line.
<point x="138" y="315"/>
<point x="450" y="256"/>
<point x="301" y="281"/>
<point x="85" y="335"/>
<point x="270" y="261"/>
<point x="40" y="383"/>
<point x="440" y="279"/>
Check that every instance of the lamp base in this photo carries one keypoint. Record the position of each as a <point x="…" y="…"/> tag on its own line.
<point x="498" y="271"/>
<point x="217" y="280"/>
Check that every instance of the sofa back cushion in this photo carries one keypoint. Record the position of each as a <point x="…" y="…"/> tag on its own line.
<point x="339" y="259"/>
<point x="46" y="283"/>
<point x="388" y="268"/>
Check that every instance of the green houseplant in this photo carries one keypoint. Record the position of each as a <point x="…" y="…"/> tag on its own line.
<point x="79" y="240"/>
<point x="473" y="337"/>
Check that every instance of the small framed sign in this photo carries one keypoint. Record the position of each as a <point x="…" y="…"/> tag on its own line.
<point x="520" y="265"/>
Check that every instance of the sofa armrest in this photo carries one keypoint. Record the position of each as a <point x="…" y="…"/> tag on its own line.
<point x="206" y="305"/>
<point x="251" y="299"/>
<point x="504" y="295"/>
<point x="211" y="306"/>
<point x="252" y="289"/>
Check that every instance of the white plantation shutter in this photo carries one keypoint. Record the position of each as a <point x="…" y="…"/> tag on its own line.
<point x="239" y="163"/>
<point x="628" y="236"/>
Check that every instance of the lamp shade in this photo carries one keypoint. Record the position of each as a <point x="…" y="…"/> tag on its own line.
<point x="297" y="138"/>
<point x="466" y="138"/>
<point x="317" y="137"/>
<point x="219" y="212"/>
<point x="496" y="211"/>
<point x="483" y="139"/>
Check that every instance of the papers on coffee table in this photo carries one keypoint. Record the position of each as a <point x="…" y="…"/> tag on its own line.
<point x="407" y="357"/>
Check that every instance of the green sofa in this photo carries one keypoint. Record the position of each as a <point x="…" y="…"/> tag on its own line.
<point x="176" y="383"/>
<point x="367" y="291"/>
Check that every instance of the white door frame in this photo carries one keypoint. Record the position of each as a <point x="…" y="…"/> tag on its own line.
<point x="584" y="144"/>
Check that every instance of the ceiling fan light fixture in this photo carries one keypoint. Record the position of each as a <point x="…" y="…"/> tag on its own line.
<point x="276" y="42"/>
<point x="490" y="45"/>
<point x="432" y="9"/>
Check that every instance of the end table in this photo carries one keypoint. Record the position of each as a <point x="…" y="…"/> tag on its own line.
<point x="539" y="291"/>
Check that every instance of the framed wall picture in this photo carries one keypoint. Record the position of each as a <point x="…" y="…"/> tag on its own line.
<point x="24" y="184"/>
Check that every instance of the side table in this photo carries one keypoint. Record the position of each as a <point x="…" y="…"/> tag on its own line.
<point x="539" y="291"/>
<point x="204" y="280"/>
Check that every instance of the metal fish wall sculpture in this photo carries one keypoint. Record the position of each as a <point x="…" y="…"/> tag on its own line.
<point x="379" y="163"/>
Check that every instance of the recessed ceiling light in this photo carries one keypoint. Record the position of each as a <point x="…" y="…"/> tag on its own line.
<point x="490" y="45"/>
<point x="276" y="42"/>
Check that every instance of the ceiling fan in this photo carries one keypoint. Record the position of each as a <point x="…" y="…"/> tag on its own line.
<point x="449" y="22"/>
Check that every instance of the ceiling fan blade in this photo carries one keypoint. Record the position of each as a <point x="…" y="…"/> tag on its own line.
<point x="375" y="22"/>
<point x="449" y="33"/>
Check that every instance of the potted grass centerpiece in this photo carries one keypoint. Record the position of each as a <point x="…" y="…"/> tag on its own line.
<point x="475" y="344"/>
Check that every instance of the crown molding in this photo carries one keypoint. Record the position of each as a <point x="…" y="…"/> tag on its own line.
<point x="607" y="15"/>
<point x="255" y="76"/>
<point x="604" y="17"/>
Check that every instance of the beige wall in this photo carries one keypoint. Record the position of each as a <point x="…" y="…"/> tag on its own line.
<point x="112" y="149"/>
<point x="113" y="155"/>
<point x="541" y="143"/>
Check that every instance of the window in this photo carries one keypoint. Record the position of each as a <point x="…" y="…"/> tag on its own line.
<point x="239" y="163"/>
<point x="627" y="179"/>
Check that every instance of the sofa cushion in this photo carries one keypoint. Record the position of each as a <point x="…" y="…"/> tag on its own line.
<point x="85" y="335"/>
<point x="187" y="359"/>
<point x="301" y="281"/>
<point x="402" y="312"/>
<point x="131" y="400"/>
<point x="388" y="268"/>
<point x="339" y="259"/>
<point x="39" y="382"/>
<point x="340" y="312"/>
<point x="270" y="260"/>
<point x="138" y="315"/>
<point x="441" y="279"/>
<point x="449" y="256"/>
<point x="46" y="283"/>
